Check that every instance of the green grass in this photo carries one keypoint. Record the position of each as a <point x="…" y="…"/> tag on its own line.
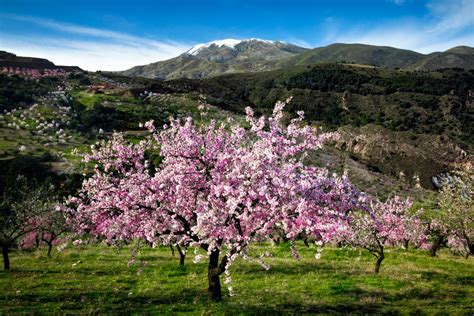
<point x="96" y="279"/>
<point x="91" y="99"/>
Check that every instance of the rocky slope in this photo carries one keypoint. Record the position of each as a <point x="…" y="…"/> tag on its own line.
<point x="388" y="152"/>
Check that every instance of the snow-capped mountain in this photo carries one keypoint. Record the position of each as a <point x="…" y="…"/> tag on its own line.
<point x="252" y="48"/>
<point x="230" y="43"/>
<point x="220" y="57"/>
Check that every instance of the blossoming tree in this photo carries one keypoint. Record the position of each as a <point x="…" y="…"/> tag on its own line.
<point x="456" y="214"/>
<point x="382" y="224"/>
<point x="22" y="208"/>
<point x="219" y="188"/>
<point x="47" y="228"/>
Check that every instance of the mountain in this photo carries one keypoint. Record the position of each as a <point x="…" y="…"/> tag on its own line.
<point x="219" y="57"/>
<point x="11" y="60"/>
<point x="254" y="55"/>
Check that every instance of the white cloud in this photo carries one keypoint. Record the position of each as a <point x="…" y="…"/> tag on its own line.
<point x="448" y="23"/>
<point x="298" y="42"/>
<point x="452" y="15"/>
<point x="100" y="50"/>
<point x="397" y="2"/>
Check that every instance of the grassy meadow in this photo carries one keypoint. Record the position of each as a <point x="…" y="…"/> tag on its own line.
<point x="96" y="279"/>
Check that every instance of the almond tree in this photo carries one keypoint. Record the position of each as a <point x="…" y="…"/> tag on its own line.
<point x="219" y="188"/>
<point x="456" y="214"/>
<point x="21" y="210"/>
<point x="414" y="229"/>
<point x="437" y="234"/>
<point x="48" y="228"/>
<point x="380" y="225"/>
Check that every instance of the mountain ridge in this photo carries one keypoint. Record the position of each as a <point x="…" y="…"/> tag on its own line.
<point x="11" y="60"/>
<point x="254" y="55"/>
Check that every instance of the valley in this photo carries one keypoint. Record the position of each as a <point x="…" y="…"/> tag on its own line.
<point x="391" y="121"/>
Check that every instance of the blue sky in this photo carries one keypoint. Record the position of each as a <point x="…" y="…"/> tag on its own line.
<point x="115" y="35"/>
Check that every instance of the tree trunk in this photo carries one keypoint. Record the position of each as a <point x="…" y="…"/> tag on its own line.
<point x="6" y="258"/>
<point x="436" y="245"/>
<point x="213" y="276"/>
<point x="471" y="248"/>
<point x="306" y="242"/>
<point x="276" y="241"/>
<point x="182" y="255"/>
<point x="406" y="244"/>
<point x="378" y="263"/>
<point x="172" y="250"/>
<point x="50" y="247"/>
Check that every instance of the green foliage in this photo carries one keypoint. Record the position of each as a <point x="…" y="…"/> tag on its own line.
<point x="336" y="95"/>
<point x="330" y="78"/>
<point x="16" y="91"/>
<point x="26" y="166"/>
<point x="114" y="112"/>
<point x="38" y="173"/>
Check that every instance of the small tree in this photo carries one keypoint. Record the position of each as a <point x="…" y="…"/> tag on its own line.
<point x="219" y="188"/>
<point x="456" y="212"/>
<point x="20" y="212"/>
<point x="414" y="229"/>
<point x="427" y="215"/>
<point x="382" y="224"/>
<point x="50" y="226"/>
<point x="437" y="234"/>
<point x="181" y="252"/>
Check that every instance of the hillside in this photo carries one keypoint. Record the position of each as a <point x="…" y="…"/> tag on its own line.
<point x="380" y="56"/>
<point x="11" y="60"/>
<point x="413" y="122"/>
<point x="456" y="57"/>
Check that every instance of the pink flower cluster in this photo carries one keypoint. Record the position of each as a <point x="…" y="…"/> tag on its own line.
<point x="32" y="73"/>
<point x="383" y="224"/>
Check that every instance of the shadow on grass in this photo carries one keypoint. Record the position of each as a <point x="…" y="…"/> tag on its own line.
<point x="444" y="277"/>
<point x="183" y="301"/>
<point x="363" y="301"/>
<point x="106" y="300"/>
<point x="292" y="309"/>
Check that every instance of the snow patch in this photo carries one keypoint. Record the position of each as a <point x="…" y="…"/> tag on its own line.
<point x="230" y="42"/>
